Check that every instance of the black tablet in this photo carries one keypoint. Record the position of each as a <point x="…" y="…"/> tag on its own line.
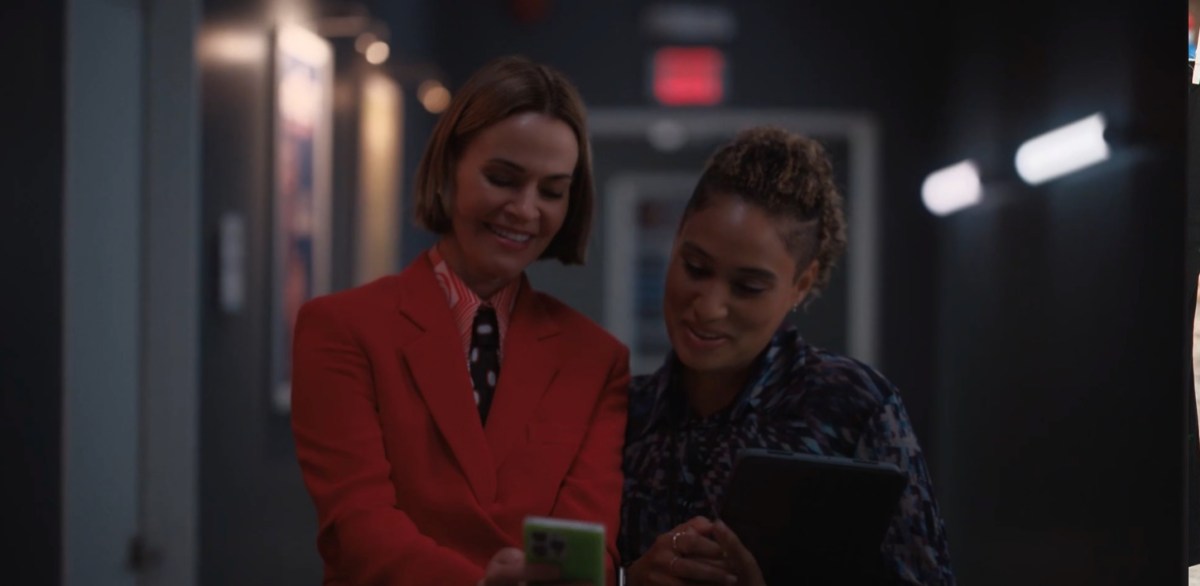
<point x="812" y="520"/>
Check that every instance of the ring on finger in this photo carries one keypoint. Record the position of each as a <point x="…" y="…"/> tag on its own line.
<point x="675" y="541"/>
<point x="671" y="566"/>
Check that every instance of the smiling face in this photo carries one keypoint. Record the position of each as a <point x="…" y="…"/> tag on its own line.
<point x="510" y="194"/>
<point x="730" y="283"/>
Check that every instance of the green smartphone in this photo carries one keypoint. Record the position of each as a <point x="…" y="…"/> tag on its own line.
<point x="576" y="547"/>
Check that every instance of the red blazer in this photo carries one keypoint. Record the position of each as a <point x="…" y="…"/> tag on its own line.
<point x="409" y="487"/>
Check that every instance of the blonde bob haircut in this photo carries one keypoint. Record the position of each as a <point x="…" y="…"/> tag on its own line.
<point x="505" y="87"/>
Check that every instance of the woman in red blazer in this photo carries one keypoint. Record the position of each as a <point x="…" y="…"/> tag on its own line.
<point x="421" y="461"/>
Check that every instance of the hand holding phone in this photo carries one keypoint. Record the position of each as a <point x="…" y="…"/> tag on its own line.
<point x="576" y="548"/>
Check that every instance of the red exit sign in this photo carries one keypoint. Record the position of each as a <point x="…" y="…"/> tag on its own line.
<point x="689" y="76"/>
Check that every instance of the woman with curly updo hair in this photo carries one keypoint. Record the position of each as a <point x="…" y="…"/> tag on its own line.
<point x="760" y="235"/>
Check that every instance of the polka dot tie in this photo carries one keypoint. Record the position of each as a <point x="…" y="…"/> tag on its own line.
<point x="484" y="359"/>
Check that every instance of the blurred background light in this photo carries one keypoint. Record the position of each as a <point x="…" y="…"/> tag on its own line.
<point x="288" y="12"/>
<point x="377" y="52"/>
<point x="363" y="41"/>
<point x="667" y="136"/>
<point x="1062" y="151"/>
<point x="433" y="96"/>
<point x="689" y="76"/>
<point x="952" y="188"/>
<point x="233" y="46"/>
<point x="303" y="43"/>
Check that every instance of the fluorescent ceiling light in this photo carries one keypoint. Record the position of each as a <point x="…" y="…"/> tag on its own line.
<point x="1063" y="150"/>
<point x="952" y="188"/>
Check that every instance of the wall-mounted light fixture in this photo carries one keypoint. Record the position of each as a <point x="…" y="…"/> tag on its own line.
<point x="1063" y="150"/>
<point x="952" y="188"/>
<point x="1045" y="157"/>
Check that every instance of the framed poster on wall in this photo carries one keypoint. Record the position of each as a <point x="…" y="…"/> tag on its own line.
<point x="300" y="260"/>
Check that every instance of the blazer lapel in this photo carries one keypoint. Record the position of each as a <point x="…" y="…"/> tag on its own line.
<point x="531" y="359"/>
<point x="435" y="358"/>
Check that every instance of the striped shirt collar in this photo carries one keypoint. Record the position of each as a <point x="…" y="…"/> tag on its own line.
<point x="464" y="302"/>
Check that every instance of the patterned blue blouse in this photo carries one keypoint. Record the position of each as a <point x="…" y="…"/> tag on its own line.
<point x="799" y="398"/>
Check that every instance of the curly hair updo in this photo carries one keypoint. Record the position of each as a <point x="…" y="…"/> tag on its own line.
<point x="788" y="176"/>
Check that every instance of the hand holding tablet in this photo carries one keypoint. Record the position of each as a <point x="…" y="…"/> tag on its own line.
<point x="812" y="519"/>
